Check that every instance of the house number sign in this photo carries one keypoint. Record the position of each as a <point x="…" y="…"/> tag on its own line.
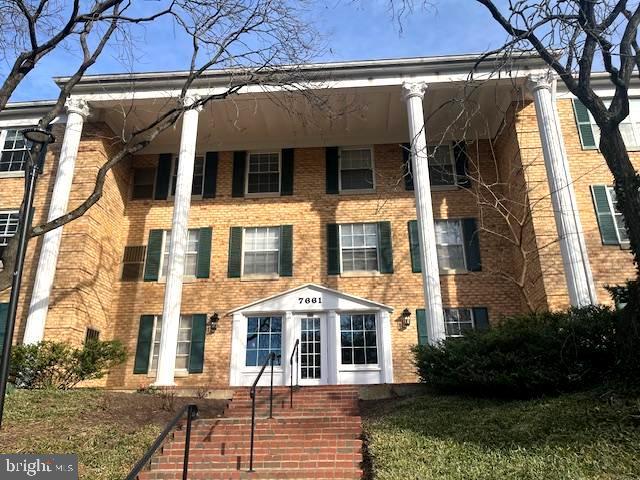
<point x="309" y="300"/>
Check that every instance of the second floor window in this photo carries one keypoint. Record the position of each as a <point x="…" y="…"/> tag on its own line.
<point x="263" y="173"/>
<point x="621" y="229"/>
<point x="191" y="253"/>
<point x="356" y="169"/>
<point x="450" y="245"/>
<point x="198" y="177"/>
<point x="261" y="251"/>
<point x="359" y="246"/>
<point x="15" y="150"/>
<point x="442" y="168"/>
<point x="8" y="227"/>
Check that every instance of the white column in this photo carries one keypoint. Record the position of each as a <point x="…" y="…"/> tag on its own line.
<point x="177" y="248"/>
<point x="413" y="94"/>
<point x="77" y="112"/>
<point x="387" y="354"/>
<point x="238" y="348"/>
<point x="577" y="268"/>
<point x="333" y="344"/>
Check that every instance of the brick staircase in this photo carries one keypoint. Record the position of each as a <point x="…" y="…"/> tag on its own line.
<point x="319" y="438"/>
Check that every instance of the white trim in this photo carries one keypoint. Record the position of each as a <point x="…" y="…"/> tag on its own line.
<point x="174" y="165"/>
<point x="614" y="213"/>
<point x="449" y="271"/>
<point x="259" y="276"/>
<point x="359" y="273"/>
<point x="355" y="191"/>
<point x="162" y="278"/>
<point x="472" y="315"/>
<point x="3" y="137"/>
<point x="247" y="194"/>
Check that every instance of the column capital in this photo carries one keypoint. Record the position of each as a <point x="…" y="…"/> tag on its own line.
<point x="413" y="89"/>
<point x="77" y="105"/>
<point x="536" y="81"/>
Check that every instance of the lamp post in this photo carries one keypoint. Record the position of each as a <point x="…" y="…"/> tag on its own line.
<point x="42" y="138"/>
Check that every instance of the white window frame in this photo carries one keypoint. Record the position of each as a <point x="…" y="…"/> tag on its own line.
<point x="615" y="213"/>
<point x="373" y="170"/>
<point x="179" y="371"/>
<point x="246" y="175"/>
<point x="464" y="248"/>
<point x="358" y="366"/>
<point x="471" y="315"/>
<point x="258" y="275"/>
<point x="359" y="272"/>
<point x="3" y="136"/>
<point x="174" y="165"/>
<point x="633" y="118"/>
<point x="452" y="159"/>
<point x="4" y="228"/>
<point x="283" y="340"/>
<point x="163" y="278"/>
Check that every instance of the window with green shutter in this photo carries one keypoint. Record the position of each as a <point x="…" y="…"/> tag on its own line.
<point x="359" y="247"/>
<point x="385" y="247"/>
<point x="332" y="164"/>
<point x="234" y="269"/>
<point x="287" y="167"/>
<point x="154" y="254"/>
<point x="203" y="260"/>
<point x="414" y="246"/>
<point x="610" y="219"/>
<point x="210" y="175"/>
<point x="333" y="249"/>
<point x="163" y="176"/>
<point x="421" y="320"/>
<point x="198" y="335"/>
<point x="286" y="250"/>
<point x="239" y="173"/>
<point x="585" y="127"/>
<point x="143" y="347"/>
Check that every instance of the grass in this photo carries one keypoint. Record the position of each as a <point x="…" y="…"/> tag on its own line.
<point x="109" y="431"/>
<point x="578" y="436"/>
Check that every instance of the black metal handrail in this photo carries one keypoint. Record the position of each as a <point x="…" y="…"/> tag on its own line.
<point x="252" y="393"/>
<point x="192" y="412"/>
<point x="296" y="353"/>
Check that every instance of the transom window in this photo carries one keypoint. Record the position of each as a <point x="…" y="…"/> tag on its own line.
<point x="621" y="230"/>
<point x="264" y="335"/>
<point x="359" y="247"/>
<point x="263" y="173"/>
<point x="8" y="227"/>
<point x="358" y="339"/>
<point x="15" y="150"/>
<point x="198" y="177"/>
<point x="356" y="169"/>
<point x="191" y="253"/>
<point x="261" y="249"/>
<point x="457" y="321"/>
<point x="442" y="167"/>
<point x="450" y="245"/>
<point x="183" y="348"/>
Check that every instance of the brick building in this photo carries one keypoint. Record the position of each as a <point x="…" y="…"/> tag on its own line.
<point x="266" y="218"/>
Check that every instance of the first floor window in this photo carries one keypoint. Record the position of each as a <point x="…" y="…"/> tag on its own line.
<point x="184" y="342"/>
<point x="198" y="176"/>
<point x="457" y="321"/>
<point x="191" y="253"/>
<point x="356" y="169"/>
<point x="450" y="245"/>
<point x="8" y="227"/>
<point x="358" y="339"/>
<point x="261" y="249"/>
<point x="15" y="150"/>
<point x="359" y="247"/>
<point x="264" y="335"/>
<point x="263" y="174"/>
<point x="442" y="170"/>
<point x="92" y="335"/>
<point x="621" y="229"/>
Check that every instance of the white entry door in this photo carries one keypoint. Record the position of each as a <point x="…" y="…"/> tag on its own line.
<point x="311" y="331"/>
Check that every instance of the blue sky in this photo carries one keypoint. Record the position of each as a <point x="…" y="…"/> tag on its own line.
<point x="352" y="30"/>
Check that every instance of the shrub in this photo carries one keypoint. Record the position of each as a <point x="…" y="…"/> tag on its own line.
<point x="525" y="355"/>
<point x="61" y="366"/>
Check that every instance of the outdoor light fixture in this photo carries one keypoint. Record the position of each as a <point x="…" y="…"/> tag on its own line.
<point x="406" y="318"/>
<point x="213" y="323"/>
<point x="39" y="136"/>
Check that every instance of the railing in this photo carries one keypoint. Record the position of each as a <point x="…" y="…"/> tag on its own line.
<point x="252" y="393"/>
<point x="192" y="412"/>
<point x="296" y="353"/>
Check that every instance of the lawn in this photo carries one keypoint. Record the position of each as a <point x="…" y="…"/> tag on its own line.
<point x="580" y="436"/>
<point x="109" y="431"/>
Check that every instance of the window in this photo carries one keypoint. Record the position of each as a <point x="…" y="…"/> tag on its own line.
<point x="198" y="176"/>
<point x="458" y="320"/>
<point x="143" y="181"/>
<point x="621" y="230"/>
<point x="263" y="173"/>
<point x="442" y="168"/>
<point x="92" y="335"/>
<point x="358" y="339"/>
<point x="629" y="127"/>
<point x="261" y="251"/>
<point x="450" y="245"/>
<point x="184" y="342"/>
<point x="264" y="335"/>
<point x="191" y="253"/>
<point x="8" y="227"/>
<point x="133" y="262"/>
<point x="14" y="151"/>
<point x="356" y="169"/>
<point x="359" y="247"/>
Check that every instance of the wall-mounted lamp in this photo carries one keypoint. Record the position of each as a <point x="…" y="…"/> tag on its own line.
<point x="406" y="318"/>
<point x="213" y="323"/>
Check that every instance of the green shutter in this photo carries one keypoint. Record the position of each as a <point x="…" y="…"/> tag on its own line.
<point x="470" y="235"/>
<point x="606" y="222"/>
<point x="583" y="121"/>
<point x="414" y="246"/>
<point x="286" y="250"/>
<point x="163" y="176"/>
<point x="286" y="175"/>
<point x="198" y="334"/>
<point x="462" y="161"/>
<point x="154" y="252"/>
<point x="143" y="349"/>
<point x="4" y="308"/>
<point x="203" y="265"/>
<point x="210" y="175"/>
<point x="331" y="160"/>
<point x="333" y="249"/>
<point x="481" y="318"/>
<point x="407" y="173"/>
<point x="239" y="172"/>
<point x="235" y="252"/>
<point x="386" y="248"/>
<point x="421" y="320"/>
